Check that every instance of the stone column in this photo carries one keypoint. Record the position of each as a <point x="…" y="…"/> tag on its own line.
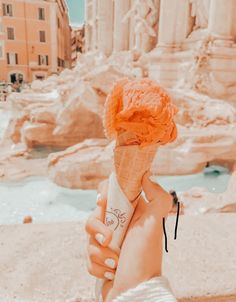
<point x="105" y="26"/>
<point x="94" y="25"/>
<point x="166" y="60"/>
<point x="173" y="23"/>
<point x="121" y="29"/>
<point x="221" y="19"/>
<point x="131" y="28"/>
<point x="222" y="52"/>
<point x="88" y="25"/>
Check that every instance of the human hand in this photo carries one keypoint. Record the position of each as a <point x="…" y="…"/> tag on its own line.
<point x="101" y="260"/>
<point x="141" y="250"/>
<point x="143" y="239"/>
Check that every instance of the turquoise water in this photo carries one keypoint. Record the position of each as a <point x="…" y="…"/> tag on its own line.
<point x="47" y="202"/>
<point x="44" y="201"/>
<point x="215" y="181"/>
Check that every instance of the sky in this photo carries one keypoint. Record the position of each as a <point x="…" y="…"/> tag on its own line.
<point x="76" y="11"/>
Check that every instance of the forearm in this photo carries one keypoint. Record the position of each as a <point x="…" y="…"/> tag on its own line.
<point x="141" y="256"/>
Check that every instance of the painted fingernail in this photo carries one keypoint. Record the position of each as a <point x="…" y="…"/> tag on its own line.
<point x="98" y="198"/>
<point x="100" y="238"/>
<point x="109" y="276"/>
<point x="110" y="263"/>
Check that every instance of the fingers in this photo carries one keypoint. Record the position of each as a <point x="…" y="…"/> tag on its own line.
<point x="100" y="210"/>
<point x="103" y="256"/>
<point x="152" y="190"/>
<point x="102" y="261"/>
<point x="95" y="226"/>
<point x="99" y="271"/>
<point x="160" y="200"/>
<point x="96" y="229"/>
<point x="103" y="188"/>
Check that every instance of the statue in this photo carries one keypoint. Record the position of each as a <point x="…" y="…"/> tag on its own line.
<point x="200" y="10"/>
<point x="145" y="15"/>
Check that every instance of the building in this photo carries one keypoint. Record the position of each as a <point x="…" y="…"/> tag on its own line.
<point x="187" y="40"/>
<point x="77" y="43"/>
<point x="34" y="39"/>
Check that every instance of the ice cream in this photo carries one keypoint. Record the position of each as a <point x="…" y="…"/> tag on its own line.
<point x="143" y="109"/>
<point x="139" y="114"/>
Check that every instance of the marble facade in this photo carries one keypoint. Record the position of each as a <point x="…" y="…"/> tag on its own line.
<point x="188" y="42"/>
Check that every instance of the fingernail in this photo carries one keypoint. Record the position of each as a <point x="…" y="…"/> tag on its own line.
<point x="109" y="276"/>
<point x="110" y="263"/>
<point x="98" y="198"/>
<point x="100" y="238"/>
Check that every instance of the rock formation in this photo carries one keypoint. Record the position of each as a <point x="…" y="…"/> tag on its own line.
<point x="66" y="109"/>
<point x="207" y="132"/>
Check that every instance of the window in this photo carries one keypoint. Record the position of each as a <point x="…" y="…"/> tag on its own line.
<point x="60" y="62"/>
<point x="7" y="10"/>
<point x="58" y="23"/>
<point x="10" y="33"/>
<point x="41" y="13"/>
<point x="39" y="77"/>
<point x="42" y="36"/>
<point x="42" y="59"/>
<point x="12" y="58"/>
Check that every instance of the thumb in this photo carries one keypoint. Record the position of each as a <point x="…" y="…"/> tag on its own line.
<point x="152" y="190"/>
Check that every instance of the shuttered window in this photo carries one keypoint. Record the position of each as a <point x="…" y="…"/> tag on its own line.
<point x="12" y="58"/>
<point x="10" y="33"/>
<point x="7" y="9"/>
<point x="41" y="12"/>
<point x="42" y="60"/>
<point x="42" y="36"/>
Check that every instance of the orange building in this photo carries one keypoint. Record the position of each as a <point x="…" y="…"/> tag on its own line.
<point x="77" y="43"/>
<point x="35" y="39"/>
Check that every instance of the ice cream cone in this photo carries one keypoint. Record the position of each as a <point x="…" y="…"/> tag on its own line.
<point x="139" y="115"/>
<point x="130" y="164"/>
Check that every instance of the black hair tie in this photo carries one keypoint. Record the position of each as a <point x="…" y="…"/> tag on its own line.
<point x="175" y="203"/>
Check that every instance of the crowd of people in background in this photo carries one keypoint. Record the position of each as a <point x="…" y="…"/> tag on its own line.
<point x="7" y="88"/>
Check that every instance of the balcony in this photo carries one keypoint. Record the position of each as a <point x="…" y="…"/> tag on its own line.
<point x="34" y="66"/>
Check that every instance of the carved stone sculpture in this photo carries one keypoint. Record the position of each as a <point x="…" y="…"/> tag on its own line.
<point x="145" y="14"/>
<point x="200" y="10"/>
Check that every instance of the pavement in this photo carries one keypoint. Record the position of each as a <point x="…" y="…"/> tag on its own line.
<point x="46" y="262"/>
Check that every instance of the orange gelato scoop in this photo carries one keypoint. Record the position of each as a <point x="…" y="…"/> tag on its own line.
<point x="142" y="108"/>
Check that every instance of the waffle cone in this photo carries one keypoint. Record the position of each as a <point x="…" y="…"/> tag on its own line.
<point x="130" y="164"/>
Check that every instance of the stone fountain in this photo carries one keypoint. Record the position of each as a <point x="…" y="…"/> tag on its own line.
<point x="55" y="129"/>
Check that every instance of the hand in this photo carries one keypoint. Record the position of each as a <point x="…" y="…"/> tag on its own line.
<point x="141" y="251"/>
<point x="143" y="240"/>
<point x="101" y="260"/>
